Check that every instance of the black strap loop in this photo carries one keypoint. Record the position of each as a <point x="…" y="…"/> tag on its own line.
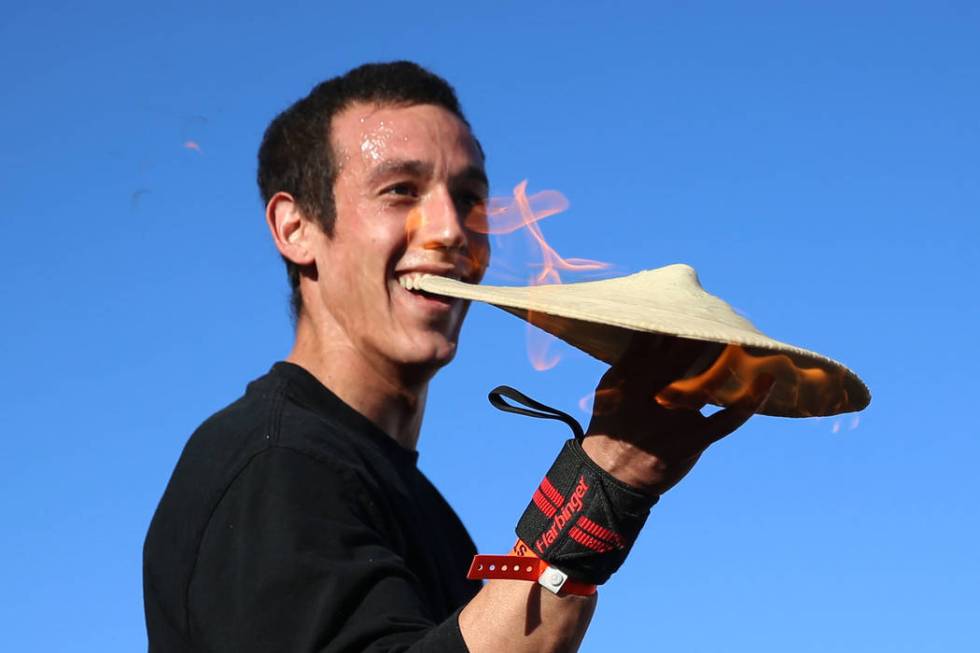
<point x="534" y="408"/>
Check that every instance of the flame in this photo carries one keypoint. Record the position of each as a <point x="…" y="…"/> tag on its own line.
<point x="477" y="252"/>
<point x="508" y="215"/>
<point x="192" y="145"/>
<point x="504" y="215"/>
<point x="414" y="221"/>
<point x="731" y="378"/>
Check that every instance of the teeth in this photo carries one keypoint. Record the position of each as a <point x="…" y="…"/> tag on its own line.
<point x="412" y="280"/>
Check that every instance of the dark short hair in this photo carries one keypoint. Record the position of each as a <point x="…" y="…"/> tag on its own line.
<point x="296" y="155"/>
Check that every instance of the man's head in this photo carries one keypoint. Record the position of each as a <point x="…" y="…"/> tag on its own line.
<point x="373" y="176"/>
<point x="297" y="157"/>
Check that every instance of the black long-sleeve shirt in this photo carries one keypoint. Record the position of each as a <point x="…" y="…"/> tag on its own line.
<point x="293" y="523"/>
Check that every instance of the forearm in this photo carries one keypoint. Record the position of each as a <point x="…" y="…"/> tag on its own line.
<point x="513" y="615"/>
<point x="509" y="615"/>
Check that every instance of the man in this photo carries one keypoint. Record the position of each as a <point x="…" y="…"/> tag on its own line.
<point x="296" y="519"/>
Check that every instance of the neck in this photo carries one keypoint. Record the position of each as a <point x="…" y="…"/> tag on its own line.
<point x="384" y="394"/>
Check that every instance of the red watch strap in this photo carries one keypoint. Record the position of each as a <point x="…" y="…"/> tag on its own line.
<point x="486" y="567"/>
<point x="512" y="567"/>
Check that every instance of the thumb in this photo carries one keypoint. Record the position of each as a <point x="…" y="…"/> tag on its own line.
<point x="728" y="420"/>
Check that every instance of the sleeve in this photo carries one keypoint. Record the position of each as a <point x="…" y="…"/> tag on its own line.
<point x="289" y="562"/>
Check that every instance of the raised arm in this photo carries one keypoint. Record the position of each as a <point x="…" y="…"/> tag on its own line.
<point x="637" y="442"/>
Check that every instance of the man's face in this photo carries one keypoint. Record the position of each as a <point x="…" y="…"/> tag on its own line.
<point x="411" y="178"/>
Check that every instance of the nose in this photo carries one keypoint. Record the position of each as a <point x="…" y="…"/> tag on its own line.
<point x="437" y="224"/>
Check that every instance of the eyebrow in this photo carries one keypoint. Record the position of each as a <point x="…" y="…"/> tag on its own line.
<point x="412" y="168"/>
<point x="422" y="169"/>
<point x="471" y="174"/>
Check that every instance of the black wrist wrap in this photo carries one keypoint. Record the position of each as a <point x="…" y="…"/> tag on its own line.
<point x="581" y="519"/>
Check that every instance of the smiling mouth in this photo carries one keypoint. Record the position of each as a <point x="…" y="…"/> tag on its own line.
<point x="410" y="282"/>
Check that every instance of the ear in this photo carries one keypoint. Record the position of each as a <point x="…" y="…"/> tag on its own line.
<point x="291" y="230"/>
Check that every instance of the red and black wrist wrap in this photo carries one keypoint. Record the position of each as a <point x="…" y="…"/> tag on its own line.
<point x="581" y="519"/>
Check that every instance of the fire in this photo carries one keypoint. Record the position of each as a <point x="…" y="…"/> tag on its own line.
<point x="507" y="215"/>
<point x="477" y="253"/>
<point x="732" y="377"/>
<point x="730" y="380"/>
<point x="193" y="145"/>
<point x="414" y="221"/>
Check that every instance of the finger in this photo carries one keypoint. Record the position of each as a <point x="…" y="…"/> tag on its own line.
<point x="671" y="399"/>
<point x="728" y="420"/>
<point x="724" y="422"/>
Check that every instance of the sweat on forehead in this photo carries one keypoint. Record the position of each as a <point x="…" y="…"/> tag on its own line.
<point x="372" y="132"/>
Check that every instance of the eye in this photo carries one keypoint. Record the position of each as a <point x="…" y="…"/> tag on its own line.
<point x="470" y="200"/>
<point x="402" y="189"/>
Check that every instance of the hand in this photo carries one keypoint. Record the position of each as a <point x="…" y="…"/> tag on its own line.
<point x="643" y="443"/>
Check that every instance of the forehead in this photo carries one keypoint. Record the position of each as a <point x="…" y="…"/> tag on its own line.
<point x="363" y="135"/>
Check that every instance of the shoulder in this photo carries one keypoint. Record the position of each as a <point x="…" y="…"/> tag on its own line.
<point x="267" y="418"/>
<point x="221" y="448"/>
<point x="270" y="415"/>
<point x="288" y="487"/>
<point x="262" y="437"/>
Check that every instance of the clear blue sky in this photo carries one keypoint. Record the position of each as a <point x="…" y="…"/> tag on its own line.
<point x="816" y="162"/>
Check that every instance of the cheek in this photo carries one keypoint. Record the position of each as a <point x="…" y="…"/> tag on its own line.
<point x="370" y="242"/>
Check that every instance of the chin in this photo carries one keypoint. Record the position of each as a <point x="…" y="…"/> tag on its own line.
<point x="432" y="353"/>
